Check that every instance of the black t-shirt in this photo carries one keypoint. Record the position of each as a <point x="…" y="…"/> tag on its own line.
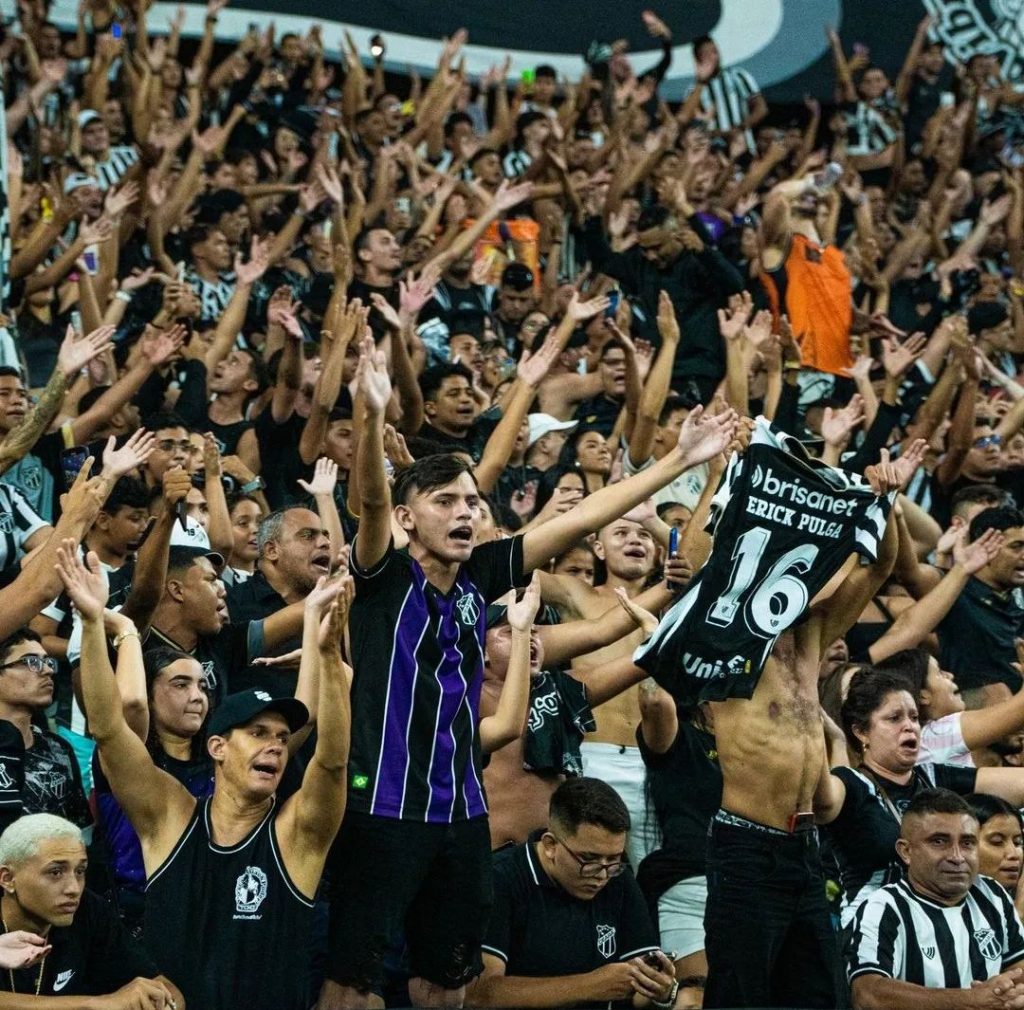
<point x="281" y="463"/>
<point x="53" y="781"/>
<point x="360" y="289"/>
<point x="865" y="832"/>
<point x="683" y="813"/>
<point x="600" y="412"/>
<point x="418" y="659"/>
<point x="558" y="717"/>
<point x="253" y="600"/>
<point x="94" y="956"/>
<point x="472" y="442"/>
<point x="976" y="637"/>
<point x="541" y="931"/>
<point x="193" y="407"/>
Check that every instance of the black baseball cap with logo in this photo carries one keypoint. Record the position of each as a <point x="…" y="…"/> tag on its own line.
<point x="238" y="709"/>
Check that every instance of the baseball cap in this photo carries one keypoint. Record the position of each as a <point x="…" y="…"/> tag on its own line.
<point x="87" y="116"/>
<point x="238" y="709"/>
<point x="76" y="180"/>
<point x="543" y="424"/>
<point x="517" y="276"/>
<point x="193" y="539"/>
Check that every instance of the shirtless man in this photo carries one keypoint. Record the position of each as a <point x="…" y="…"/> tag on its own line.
<point x="610" y="753"/>
<point x="770" y="941"/>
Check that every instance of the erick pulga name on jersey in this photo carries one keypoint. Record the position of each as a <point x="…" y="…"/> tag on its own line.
<point x="802" y="518"/>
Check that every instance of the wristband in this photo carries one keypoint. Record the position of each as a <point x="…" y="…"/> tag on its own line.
<point x="126" y="634"/>
<point x="256" y="484"/>
<point x="123" y="296"/>
<point x="670" y="999"/>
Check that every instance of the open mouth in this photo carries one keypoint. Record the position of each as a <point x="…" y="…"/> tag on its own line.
<point x="322" y="563"/>
<point x="265" y="769"/>
<point x="637" y="553"/>
<point x="463" y="534"/>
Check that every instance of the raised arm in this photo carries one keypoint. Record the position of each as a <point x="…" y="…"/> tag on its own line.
<point x="700" y="438"/>
<point x="374" y="493"/>
<point x="321" y="489"/>
<point x="656" y="388"/>
<point x="152" y="799"/>
<point x="310" y="819"/>
<point x="509" y="719"/>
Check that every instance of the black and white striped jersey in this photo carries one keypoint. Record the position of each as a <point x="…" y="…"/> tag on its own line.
<point x="726" y="100"/>
<point x="784" y="524"/>
<point x="903" y="935"/>
<point x="18" y="521"/>
<point x="115" y="166"/>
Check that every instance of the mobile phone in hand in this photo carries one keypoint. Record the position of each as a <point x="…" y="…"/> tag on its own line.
<point x="71" y="462"/>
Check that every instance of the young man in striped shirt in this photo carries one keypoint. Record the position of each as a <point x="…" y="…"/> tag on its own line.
<point x="943" y="928"/>
<point x="731" y="98"/>
<point x="414" y="848"/>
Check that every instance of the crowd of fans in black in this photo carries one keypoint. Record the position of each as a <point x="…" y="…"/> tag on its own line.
<point x="304" y="369"/>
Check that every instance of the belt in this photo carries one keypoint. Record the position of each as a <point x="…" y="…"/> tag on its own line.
<point x="799" y="823"/>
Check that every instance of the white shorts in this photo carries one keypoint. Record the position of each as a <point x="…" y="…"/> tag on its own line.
<point x="681" y="916"/>
<point x="623" y="769"/>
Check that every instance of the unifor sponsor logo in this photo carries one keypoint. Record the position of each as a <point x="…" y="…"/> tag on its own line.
<point x="714" y="669"/>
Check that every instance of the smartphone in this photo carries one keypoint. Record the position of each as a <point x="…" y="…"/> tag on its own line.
<point x="673" y="551"/>
<point x="76" y="321"/>
<point x="528" y="76"/>
<point x="403" y="205"/>
<point x="652" y="960"/>
<point x="90" y="256"/>
<point x="115" y="30"/>
<point x="613" y="304"/>
<point x="71" y="461"/>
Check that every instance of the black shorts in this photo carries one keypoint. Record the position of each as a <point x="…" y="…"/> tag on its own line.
<point x="432" y="881"/>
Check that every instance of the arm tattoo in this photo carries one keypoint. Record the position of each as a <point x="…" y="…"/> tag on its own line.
<point x="19" y="440"/>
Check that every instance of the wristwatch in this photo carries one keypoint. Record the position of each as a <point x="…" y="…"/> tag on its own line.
<point x="256" y="484"/>
<point x="670" y="999"/>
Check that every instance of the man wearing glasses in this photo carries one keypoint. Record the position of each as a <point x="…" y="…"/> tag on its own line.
<point x="568" y="926"/>
<point x="38" y="770"/>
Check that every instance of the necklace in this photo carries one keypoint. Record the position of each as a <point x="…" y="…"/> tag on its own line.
<point x="42" y="964"/>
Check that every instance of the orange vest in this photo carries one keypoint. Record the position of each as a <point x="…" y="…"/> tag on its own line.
<point x="818" y="302"/>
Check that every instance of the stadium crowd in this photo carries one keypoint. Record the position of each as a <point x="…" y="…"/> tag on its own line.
<point x="506" y="543"/>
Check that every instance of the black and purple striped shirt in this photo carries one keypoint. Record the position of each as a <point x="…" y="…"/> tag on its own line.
<point x="418" y="659"/>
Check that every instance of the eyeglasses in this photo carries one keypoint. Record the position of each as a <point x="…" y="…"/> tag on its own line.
<point x="986" y="440"/>
<point x="169" y="445"/>
<point x="593" y="867"/>
<point x="35" y="664"/>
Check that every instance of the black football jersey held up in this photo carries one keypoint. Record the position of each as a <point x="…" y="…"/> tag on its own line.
<point x="784" y="524"/>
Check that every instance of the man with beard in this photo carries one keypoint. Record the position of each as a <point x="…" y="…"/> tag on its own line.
<point x="294" y="551"/>
<point x="515" y="300"/>
<point x="610" y="753"/>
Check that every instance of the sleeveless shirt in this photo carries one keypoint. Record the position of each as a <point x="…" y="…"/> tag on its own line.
<point x="227" y="925"/>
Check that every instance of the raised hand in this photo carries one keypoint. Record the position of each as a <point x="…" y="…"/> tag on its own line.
<point x="580" y="311"/>
<point x="521" y="613"/>
<point x="85" y="586"/>
<point x="95" y="232"/>
<point x="702" y="436"/>
<point x="160" y="346"/>
<point x="759" y="330"/>
<point x="395" y="448"/>
<point x="973" y="557"/>
<point x="131" y="455"/>
<point x="249" y="273"/>
<point x="387" y="310"/>
<point x="372" y="376"/>
<point x="534" y="366"/>
<point x="332" y="628"/>
<point x="117" y="201"/>
<point x="644" y="618"/>
<point x="732" y="321"/>
<point x="897" y="358"/>
<point x="416" y="292"/>
<point x="906" y="466"/>
<point x="509" y="196"/>
<point x="668" y="323"/>
<point x="838" y="425"/>
<point x="75" y="353"/>
<point x="325" y="477"/>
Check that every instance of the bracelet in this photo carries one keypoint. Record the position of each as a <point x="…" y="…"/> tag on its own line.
<point x="670" y="999"/>
<point x="256" y="484"/>
<point x="126" y="634"/>
<point x="123" y="296"/>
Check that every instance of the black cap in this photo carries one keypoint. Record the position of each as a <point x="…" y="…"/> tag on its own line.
<point x="517" y="276"/>
<point x="238" y="709"/>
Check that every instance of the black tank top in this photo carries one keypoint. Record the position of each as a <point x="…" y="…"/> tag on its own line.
<point x="228" y="435"/>
<point x="228" y="926"/>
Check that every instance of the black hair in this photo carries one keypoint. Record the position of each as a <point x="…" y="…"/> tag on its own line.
<point x="652" y="217"/>
<point x="549" y="481"/>
<point x="937" y="801"/>
<point x="258" y="370"/>
<point x="198" y="233"/>
<point x="89" y="397"/>
<point x="587" y="801"/>
<point x="453" y="120"/>
<point x="612" y="345"/>
<point x="25" y="634"/>
<point x="432" y="378"/>
<point x="545" y="70"/>
<point x="1000" y="518"/>
<point x="421" y="447"/>
<point x="156" y="661"/>
<point x="911" y="665"/>
<point x="867" y="691"/>
<point x="985" y="806"/>
<point x="164" y="419"/>
<point x="977" y="494"/>
<point x="699" y="42"/>
<point x="429" y="473"/>
<point x="128" y="492"/>
<point x="9" y="370"/>
<point x="568" y="457"/>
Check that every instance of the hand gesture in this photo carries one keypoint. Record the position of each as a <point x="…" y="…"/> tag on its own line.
<point x="643" y="618"/>
<point x="322" y="595"/>
<point x="838" y="425"/>
<point x="332" y="629"/>
<point x="579" y="311"/>
<point x="524" y="501"/>
<point x="655" y="26"/>
<point x="642" y="513"/>
<point x="176" y="485"/>
<point x="117" y="201"/>
<point x="86" y="586"/>
<point x="534" y="365"/>
<point x="993" y="211"/>
<point x="330" y="182"/>
<point x="249" y="273"/>
<point x="521" y="613"/>
<point x="75" y="354"/>
<point x="704" y="436"/>
<point x="973" y="557"/>
<point x="119" y="462"/>
<point x="95" y="232"/>
<point x="395" y="448"/>
<point x="509" y="196"/>
<point x="860" y="370"/>
<point x="897" y="358"/>
<point x="668" y="323"/>
<point x="137" y="279"/>
<point x="21" y="949"/>
<point x="759" y="331"/>
<point x="416" y="292"/>
<point x="372" y="376"/>
<point x="731" y="322"/>
<point x="325" y="477"/>
<point x="160" y="346"/>
<point x="387" y="310"/>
